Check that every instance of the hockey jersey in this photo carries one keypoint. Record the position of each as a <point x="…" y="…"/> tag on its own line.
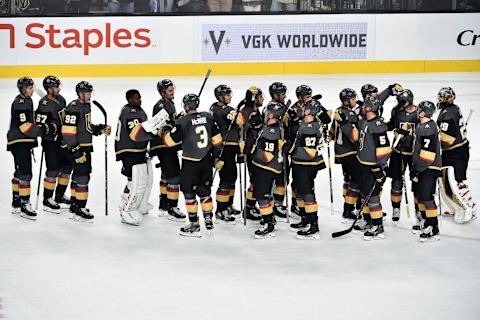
<point x="198" y="133"/>
<point x="252" y="126"/>
<point x="77" y="126"/>
<point x="169" y="106"/>
<point x="224" y="116"/>
<point x="374" y="146"/>
<point x="267" y="152"/>
<point x="453" y="130"/>
<point x="426" y="147"/>
<point x="22" y="132"/>
<point x="131" y="139"/>
<point x="401" y="119"/>
<point x="307" y="147"/>
<point x="51" y="111"/>
<point x="345" y="133"/>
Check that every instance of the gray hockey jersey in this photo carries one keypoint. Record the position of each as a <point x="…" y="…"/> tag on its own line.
<point x="198" y="133"/>
<point x="51" y="111"/>
<point x="22" y="132"/>
<point x="268" y="150"/>
<point x="374" y="147"/>
<point x="131" y="139"/>
<point x="224" y="116"/>
<point x="307" y="147"/>
<point x="345" y="133"/>
<point x="77" y="126"/>
<point x="427" y="149"/>
<point x="169" y="106"/>
<point x="401" y="119"/>
<point x="453" y="130"/>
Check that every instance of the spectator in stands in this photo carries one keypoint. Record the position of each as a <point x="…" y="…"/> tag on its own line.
<point x="53" y="6"/>
<point x="79" y="6"/>
<point x="219" y="5"/>
<point x="252" y="5"/>
<point x="189" y="6"/>
<point x="121" y="6"/>
<point x="283" y="5"/>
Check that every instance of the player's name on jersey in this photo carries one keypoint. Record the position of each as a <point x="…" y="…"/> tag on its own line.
<point x="198" y="121"/>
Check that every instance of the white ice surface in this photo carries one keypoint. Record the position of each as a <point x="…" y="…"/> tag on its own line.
<point x="56" y="269"/>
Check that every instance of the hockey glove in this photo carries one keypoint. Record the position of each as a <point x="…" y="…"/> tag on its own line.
<point x="219" y="164"/>
<point x="240" y="158"/>
<point x="292" y="115"/>
<point x="241" y="146"/>
<point x="80" y="158"/>
<point x="49" y="128"/>
<point x="379" y="175"/>
<point x="395" y="89"/>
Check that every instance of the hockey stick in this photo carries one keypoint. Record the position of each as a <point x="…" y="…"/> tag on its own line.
<point x="204" y="81"/>
<point x="404" y="184"/>
<point x="39" y="179"/>
<point x="240" y="104"/>
<point x="347" y="231"/>
<point x="330" y="177"/>
<point x="41" y="94"/>
<point x="470" y="112"/>
<point x="102" y="110"/>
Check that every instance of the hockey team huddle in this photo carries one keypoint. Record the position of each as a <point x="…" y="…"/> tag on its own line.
<point x="275" y="142"/>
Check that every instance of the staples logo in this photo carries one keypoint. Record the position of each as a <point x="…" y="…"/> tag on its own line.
<point x="11" y="29"/>
<point x="40" y="36"/>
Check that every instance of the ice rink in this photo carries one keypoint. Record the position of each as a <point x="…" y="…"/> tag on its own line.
<point x="56" y="269"/>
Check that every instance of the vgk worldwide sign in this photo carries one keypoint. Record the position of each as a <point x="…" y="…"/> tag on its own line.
<point x="318" y="41"/>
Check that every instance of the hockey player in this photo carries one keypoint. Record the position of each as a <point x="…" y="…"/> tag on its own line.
<point x="22" y="138"/>
<point x="168" y="157"/>
<point x="268" y="165"/>
<point x="456" y="154"/>
<point x="229" y="121"/>
<point x="251" y="113"/>
<point x="344" y="131"/>
<point x="403" y="121"/>
<point x="426" y="169"/>
<point x="58" y="160"/>
<point x="373" y="152"/>
<point x="294" y="116"/>
<point x="278" y="93"/>
<point x="307" y="160"/>
<point x="77" y="131"/>
<point x="198" y="134"/>
<point x="134" y="132"/>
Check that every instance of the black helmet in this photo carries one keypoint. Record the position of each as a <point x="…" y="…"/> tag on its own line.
<point x="346" y="94"/>
<point x="23" y="83"/>
<point x="190" y="101"/>
<point x="368" y="89"/>
<point x="405" y="96"/>
<point x="275" y="109"/>
<point x="314" y="106"/>
<point x="222" y="90"/>
<point x="51" y="82"/>
<point x="163" y="85"/>
<point x="427" y="107"/>
<point x="84" y="86"/>
<point x="277" y="88"/>
<point x="446" y="95"/>
<point x="256" y="91"/>
<point x="303" y="90"/>
<point x="374" y="103"/>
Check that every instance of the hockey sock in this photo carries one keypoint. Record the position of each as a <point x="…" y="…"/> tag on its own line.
<point x="62" y="183"/>
<point x="172" y="195"/>
<point x="48" y="187"/>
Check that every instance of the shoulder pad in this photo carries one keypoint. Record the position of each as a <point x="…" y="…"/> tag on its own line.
<point x="44" y="102"/>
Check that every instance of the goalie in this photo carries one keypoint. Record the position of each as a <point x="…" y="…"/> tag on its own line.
<point x="455" y="156"/>
<point x="134" y="132"/>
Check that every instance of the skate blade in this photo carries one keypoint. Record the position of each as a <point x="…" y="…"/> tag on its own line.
<point x="219" y="221"/>
<point x="296" y="229"/>
<point x="50" y="210"/>
<point x="136" y="224"/>
<point x="175" y="219"/>
<point x="315" y="236"/>
<point x="267" y="236"/>
<point x="346" y="221"/>
<point x="15" y="211"/>
<point x="431" y="239"/>
<point x="76" y="218"/>
<point x="360" y="232"/>
<point x="190" y="234"/>
<point x="162" y="213"/>
<point x="28" y="217"/>
<point x="417" y="232"/>
<point x="377" y="237"/>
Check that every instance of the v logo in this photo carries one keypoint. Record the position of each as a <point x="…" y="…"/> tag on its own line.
<point x="217" y="42"/>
